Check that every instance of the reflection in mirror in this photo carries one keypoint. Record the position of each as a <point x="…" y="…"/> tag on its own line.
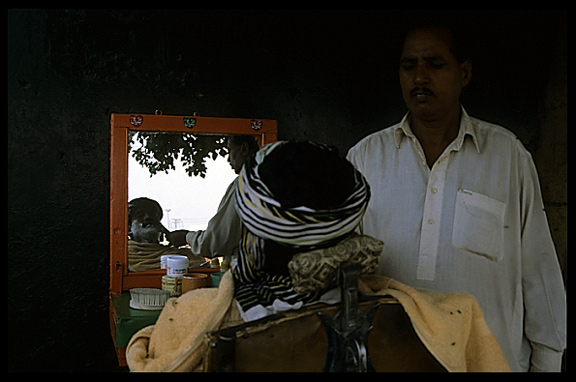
<point x="121" y="278"/>
<point x="176" y="181"/>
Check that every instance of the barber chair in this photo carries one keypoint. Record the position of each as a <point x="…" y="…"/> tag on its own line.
<point x="359" y="334"/>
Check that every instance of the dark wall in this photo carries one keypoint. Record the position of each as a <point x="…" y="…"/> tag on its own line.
<point x="328" y="76"/>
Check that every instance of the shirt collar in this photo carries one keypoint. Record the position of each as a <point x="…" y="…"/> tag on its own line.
<point x="466" y="128"/>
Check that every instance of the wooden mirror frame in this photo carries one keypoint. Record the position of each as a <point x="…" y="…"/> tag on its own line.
<point x="264" y="130"/>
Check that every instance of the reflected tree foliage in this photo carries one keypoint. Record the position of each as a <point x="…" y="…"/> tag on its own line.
<point x="158" y="151"/>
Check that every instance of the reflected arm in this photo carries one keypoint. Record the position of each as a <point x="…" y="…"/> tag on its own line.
<point x="223" y="232"/>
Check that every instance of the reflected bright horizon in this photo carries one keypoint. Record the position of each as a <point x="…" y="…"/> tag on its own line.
<point x="187" y="202"/>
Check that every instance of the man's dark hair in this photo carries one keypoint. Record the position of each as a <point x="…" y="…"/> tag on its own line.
<point x="460" y="35"/>
<point x="249" y="139"/>
<point x="139" y="206"/>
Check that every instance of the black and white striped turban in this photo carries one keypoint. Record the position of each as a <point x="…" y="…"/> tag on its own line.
<point x="264" y="215"/>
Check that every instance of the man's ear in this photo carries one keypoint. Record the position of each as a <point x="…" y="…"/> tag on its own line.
<point x="466" y="72"/>
<point x="245" y="149"/>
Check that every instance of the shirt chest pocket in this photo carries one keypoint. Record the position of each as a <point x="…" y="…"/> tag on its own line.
<point x="479" y="224"/>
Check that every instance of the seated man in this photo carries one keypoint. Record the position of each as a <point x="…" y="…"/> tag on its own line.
<point x="294" y="197"/>
<point x="144" y="235"/>
<point x="144" y="217"/>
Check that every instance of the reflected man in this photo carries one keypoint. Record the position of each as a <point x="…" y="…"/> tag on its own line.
<point x="224" y="229"/>
<point x="145" y="233"/>
<point x="144" y="216"/>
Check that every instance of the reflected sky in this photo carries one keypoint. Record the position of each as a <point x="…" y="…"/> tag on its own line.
<point x="192" y="201"/>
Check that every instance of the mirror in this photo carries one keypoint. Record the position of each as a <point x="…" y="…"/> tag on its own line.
<point x="176" y="181"/>
<point x="170" y="185"/>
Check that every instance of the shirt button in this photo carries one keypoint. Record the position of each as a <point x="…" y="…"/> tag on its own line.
<point x="430" y="221"/>
<point x="434" y="190"/>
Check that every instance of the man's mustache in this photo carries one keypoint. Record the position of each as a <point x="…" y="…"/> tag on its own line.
<point x="419" y="90"/>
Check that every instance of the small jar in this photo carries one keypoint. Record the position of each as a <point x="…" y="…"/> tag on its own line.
<point x="176" y="266"/>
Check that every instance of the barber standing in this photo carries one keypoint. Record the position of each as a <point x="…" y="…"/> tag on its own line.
<point x="457" y="202"/>
<point x="224" y="230"/>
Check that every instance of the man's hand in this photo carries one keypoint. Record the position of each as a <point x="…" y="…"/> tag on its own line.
<point x="177" y="238"/>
